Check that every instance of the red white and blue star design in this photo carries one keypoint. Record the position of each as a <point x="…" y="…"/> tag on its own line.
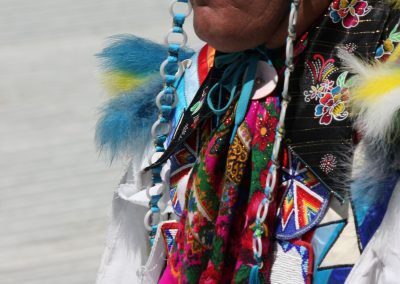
<point x="304" y="202"/>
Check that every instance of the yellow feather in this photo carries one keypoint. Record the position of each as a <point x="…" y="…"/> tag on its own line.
<point x="395" y="56"/>
<point x="377" y="86"/>
<point x="374" y="97"/>
<point x="120" y="82"/>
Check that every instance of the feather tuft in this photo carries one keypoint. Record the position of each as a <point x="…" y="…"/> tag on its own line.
<point x="375" y="108"/>
<point x="130" y="61"/>
<point x="352" y="63"/>
<point x="373" y="174"/>
<point x="125" y="121"/>
<point x="133" y="55"/>
<point x="375" y="98"/>
<point x="131" y="66"/>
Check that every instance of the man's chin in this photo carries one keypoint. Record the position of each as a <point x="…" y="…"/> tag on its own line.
<point x="238" y="35"/>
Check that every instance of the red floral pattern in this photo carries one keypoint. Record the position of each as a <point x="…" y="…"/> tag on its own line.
<point x="265" y="130"/>
<point x="349" y="12"/>
<point x="332" y="107"/>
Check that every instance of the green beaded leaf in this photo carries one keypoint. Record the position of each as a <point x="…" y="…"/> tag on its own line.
<point x="341" y="80"/>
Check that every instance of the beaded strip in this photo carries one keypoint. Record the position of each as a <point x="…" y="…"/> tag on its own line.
<point x="166" y="101"/>
<point x="271" y="180"/>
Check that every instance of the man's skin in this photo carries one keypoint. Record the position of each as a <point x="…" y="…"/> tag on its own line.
<point x="234" y="25"/>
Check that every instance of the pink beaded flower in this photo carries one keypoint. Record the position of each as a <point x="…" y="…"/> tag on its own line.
<point x="349" y="12"/>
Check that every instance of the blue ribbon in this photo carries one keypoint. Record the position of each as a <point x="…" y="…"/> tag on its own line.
<point x="236" y="66"/>
<point x="254" y="275"/>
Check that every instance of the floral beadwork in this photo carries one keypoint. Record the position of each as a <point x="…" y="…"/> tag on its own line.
<point x="348" y="12"/>
<point x="332" y="105"/>
<point x="332" y="97"/>
<point x="387" y="47"/>
<point x="350" y="47"/>
<point x="320" y="70"/>
<point x="328" y="163"/>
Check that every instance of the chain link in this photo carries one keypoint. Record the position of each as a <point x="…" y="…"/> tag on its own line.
<point x="166" y="101"/>
<point x="271" y="180"/>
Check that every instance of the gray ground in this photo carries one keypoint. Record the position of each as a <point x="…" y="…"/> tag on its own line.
<point x="55" y="191"/>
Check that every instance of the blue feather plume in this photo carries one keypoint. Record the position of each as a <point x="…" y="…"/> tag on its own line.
<point x="132" y="54"/>
<point x="376" y="176"/>
<point x="128" y="53"/>
<point x="368" y="192"/>
<point x="125" y="120"/>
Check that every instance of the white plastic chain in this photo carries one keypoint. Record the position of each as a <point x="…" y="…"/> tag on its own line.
<point x="166" y="101"/>
<point x="271" y="180"/>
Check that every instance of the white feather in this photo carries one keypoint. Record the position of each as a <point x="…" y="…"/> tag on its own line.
<point x="375" y="120"/>
<point x="352" y="63"/>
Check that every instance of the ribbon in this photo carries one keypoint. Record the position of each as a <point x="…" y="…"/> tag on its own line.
<point x="237" y="66"/>
<point x="254" y="275"/>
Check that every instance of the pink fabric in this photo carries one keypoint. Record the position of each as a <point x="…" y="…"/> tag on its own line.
<point x="167" y="277"/>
